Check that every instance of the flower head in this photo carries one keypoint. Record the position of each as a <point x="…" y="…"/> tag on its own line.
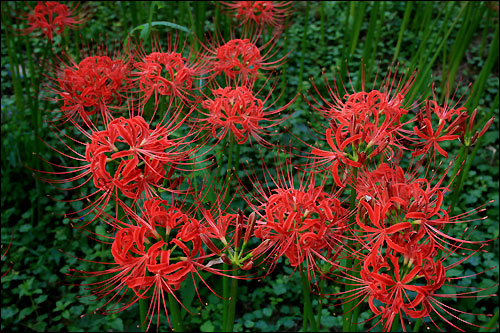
<point x="260" y="13"/>
<point x="301" y="221"/>
<point x="237" y="111"/>
<point x="100" y="83"/>
<point x="52" y="17"/>
<point x="241" y="59"/>
<point x="168" y="73"/>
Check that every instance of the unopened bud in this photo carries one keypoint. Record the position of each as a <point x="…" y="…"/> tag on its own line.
<point x="261" y="248"/>
<point x="247" y="266"/>
<point x="471" y="120"/>
<point x="487" y="126"/>
<point x="225" y="259"/>
<point x="237" y="235"/>
<point x="208" y="242"/>
<point x="251" y="225"/>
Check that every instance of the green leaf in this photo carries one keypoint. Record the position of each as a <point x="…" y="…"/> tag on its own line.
<point x="207" y="327"/>
<point x="143" y="27"/>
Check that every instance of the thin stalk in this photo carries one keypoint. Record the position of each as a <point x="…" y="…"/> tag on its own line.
<point x="133" y="10"/>
<point x="348" y="262"/>
<point x="358" y="22"/>
<point x="191" y="22"/>
<point x="308" y="312"/>
<point x="143" y="312"/>
<point x="322" y="22"/>
<point x="320" y="304"/>
<point x="229" y="162"/>
<point x="232" y="302"/>
<point x="485" y="34"/>
<point x="283" y="72"/>
<point x="416" y="328"/>
<point x="175" y="314"/>
<point x="458" y="188"/>
<point x="369" y="43"/>
<point x="226" y="314"/>
<point x="225" y="294"/>
<point x="150" y="19"/>
<point x="304" y="45"/>
<point x="424" y="75"/>
<point x="375" y="43"/>
<point x="406" y="18"/>
<point x="395" y="324"/>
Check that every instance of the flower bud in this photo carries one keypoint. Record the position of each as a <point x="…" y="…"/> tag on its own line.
<point x="208" y="242"/>
<point x="226" y="259"/>
<point x="251" y="225"/>
<point x="247" y="266"/>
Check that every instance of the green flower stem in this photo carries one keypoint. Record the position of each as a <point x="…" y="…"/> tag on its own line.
<point x="308" y="312"/>
<point x="143" y="312"/>
<point x="320" y="304"/>
<point x="175" y="314"/>
<point x="395" y="324"/>
<point x="304" y="46"/>
<point x="416" y="328"/>
<point x="150" y="18"/>
<point x="225" y="294"/>
<point x="283" y="71"/>
<point x="424" y="75"/>
<point x="226" y="291"/>
<point x="406" y="19"/>
<point x="232" y="302"/>
<point x="348" y="263"/>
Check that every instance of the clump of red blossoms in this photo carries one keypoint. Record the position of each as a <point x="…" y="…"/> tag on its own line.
<point x="139" y="153"/>
<point x="52" y="17"/>
<point x="301" y="221"/>
<point x="241" y="59"/>
<point x="98" y="84"/>
<point x="168" y="73"/>
<point x="238" y="111"/>
<point x="260" y="13"/>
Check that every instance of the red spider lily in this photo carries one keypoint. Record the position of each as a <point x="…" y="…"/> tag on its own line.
<point x="140" y="144"/>
<point x="238" y="111"/>
<point x="392" y="202"/>
<point x="169" y="73"/>
<point x="301" y="221"/>
<point x="153" y="255"/>
<point x="363" y="124"/>
<point x="451" y="122"/>
<point x="100" y="83"/>
<point x="51" y="17"/>
<point x="128" y="158"/>
<point x="403" y="284"/>
<point x="241" y="59"/>
<point x="260" y="13"/>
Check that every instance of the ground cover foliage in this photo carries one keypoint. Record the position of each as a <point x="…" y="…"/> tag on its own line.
<point x="444" y="40"/>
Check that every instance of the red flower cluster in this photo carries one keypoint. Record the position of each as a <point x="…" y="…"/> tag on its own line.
<point x="97" y="84"/>
<point x="260" y="13"/>
<point x="400" y="230"/>
<point x="52" y="17"/>
<point x="237" y="111"/>
<point x="150" y="164"/>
